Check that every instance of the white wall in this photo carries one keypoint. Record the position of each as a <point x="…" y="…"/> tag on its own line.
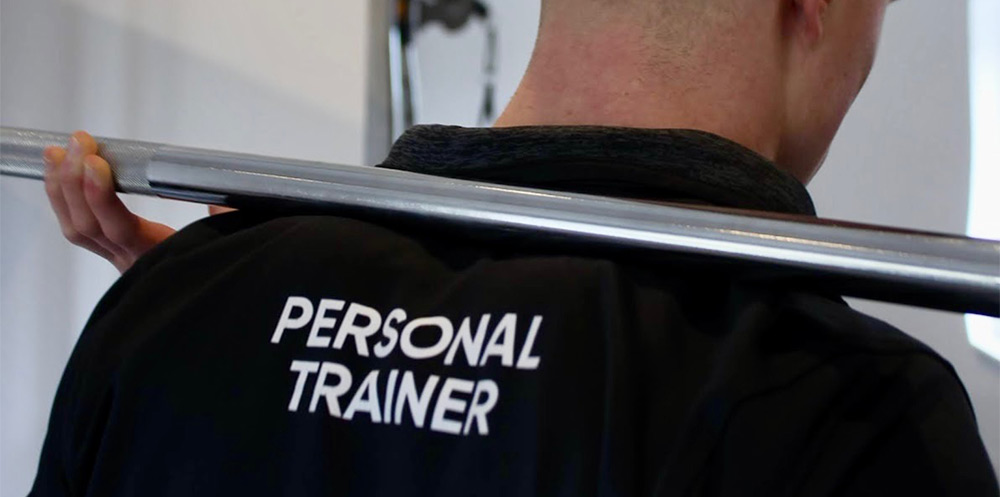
<point x="901" y="158"/>
<point x="278" y="78"/>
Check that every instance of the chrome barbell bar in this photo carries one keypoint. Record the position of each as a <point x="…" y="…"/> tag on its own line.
<point x="924" y="269"/>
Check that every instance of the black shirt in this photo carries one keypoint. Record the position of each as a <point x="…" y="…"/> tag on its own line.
<point x="311" y="354"/>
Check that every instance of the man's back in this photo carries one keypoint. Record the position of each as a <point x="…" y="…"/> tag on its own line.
<point x="312" y="354"/>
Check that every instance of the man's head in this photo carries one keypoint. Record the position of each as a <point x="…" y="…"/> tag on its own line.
<point x="774" y="75"/>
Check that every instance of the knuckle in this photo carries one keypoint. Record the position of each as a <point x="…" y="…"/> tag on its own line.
<point x="89" y="228"/>
<point x="94" y="196"/>
<point x="52" y="188"/>
<point x="67" y="179"/>
<point x="74" y="237"/>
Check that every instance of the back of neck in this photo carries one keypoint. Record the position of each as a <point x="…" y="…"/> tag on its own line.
<point x="617" y="76"/>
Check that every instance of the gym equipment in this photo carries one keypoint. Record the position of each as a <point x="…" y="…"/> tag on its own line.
<point x="408" y="18"/>
<point x="924" y="269"/>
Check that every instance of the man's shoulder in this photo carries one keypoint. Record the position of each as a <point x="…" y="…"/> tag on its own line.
<point x="314" y="238"/>
<point x="564" y="334"/>
<point x="323" y="239"/>
<point x="864" y="352"/>
<point x="647" y="293"/>
<point x="831" y="316"/>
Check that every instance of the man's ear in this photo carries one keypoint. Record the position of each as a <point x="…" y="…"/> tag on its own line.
<point x="809" y="18"/>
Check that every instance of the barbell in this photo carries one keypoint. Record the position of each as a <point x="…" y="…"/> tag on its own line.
<point x="930" y="270"/>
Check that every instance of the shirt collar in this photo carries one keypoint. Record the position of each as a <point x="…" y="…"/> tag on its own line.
<point x="652" y="165"/>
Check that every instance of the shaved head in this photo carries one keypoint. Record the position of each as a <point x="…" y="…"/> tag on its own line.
<point x="776" y="76"/>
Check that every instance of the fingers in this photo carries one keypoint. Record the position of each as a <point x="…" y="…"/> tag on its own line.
<point x="85" y="225"/>
<point x="116" y="223"/>
<point x="129" y="235"/>
<point x="81" y="189"/>
<point x="54" y="159"/>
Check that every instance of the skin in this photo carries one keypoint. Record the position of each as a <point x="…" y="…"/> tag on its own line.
<point x="81" y="192"/>
<point x="776" y="76"/>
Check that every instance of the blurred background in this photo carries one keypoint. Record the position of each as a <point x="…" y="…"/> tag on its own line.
<point x="296" y="79"/>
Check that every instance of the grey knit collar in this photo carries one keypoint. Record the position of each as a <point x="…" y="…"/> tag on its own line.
<point x="653" y="165"/>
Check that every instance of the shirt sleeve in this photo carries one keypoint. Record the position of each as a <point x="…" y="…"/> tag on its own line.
<point x="79" y="411"/>
<point x="51" y="479"/>
<point x="78" y="414"/>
